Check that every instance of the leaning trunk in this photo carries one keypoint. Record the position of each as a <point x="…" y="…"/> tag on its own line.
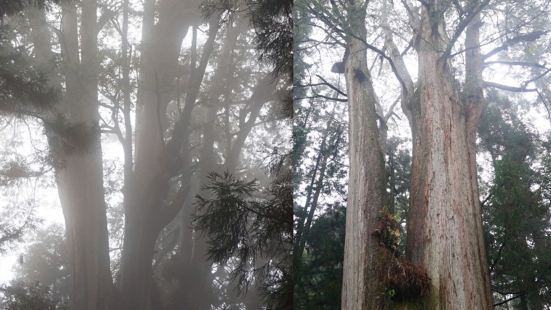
<point x="362" y="285"/>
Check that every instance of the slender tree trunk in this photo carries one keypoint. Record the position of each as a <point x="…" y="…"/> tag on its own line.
<point x="444" y="223"/>
<point x="362" y="285"/>
<point x="127" y="143"/>
<point x="263" y="92"/>
<point x="309" y="193"/>
<point x="316" y="186"/>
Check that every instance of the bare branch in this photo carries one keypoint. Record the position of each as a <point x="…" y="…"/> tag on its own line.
<point x="385" y="56"/>
<point x="526" y="37"/>
<point x="507" y="300"/>
<point x="324" y="97"/>
<point x="463" y="23"/>
<point x="390" y="111"/>
<point x="509" y="88"/>
<point x="333" y="87"/>
<point x="516" y="63"/>
<point x="525" y="83"/>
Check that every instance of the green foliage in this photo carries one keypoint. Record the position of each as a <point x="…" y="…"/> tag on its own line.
<point x="15" y="221"/>
<point x="398" y="166"/>
<point x="321" y="269"/>
<point x="251" y="226"/>
<point x="30" y="296"/>
<point x="388" y="231"/>
<point x="404" y="281"/>
<point x="45" y="261"/>
<point x="273" y="24"/>
<point x="43" y="279"/>
<point x="24" y="88"/>
<point x="272" y="20"/>
<point x="10" y="7"/>
<point x="516" y="213"/>
<point x="67" y="138"/>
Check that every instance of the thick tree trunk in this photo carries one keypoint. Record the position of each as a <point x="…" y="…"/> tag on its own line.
<point x="362" y="285"/>
<point x="80" y="187"/>
<point x="74" y="140"/>
<point x="444" y="223"/>
<point x="146" y="190"/>
<point x="136" y="263"/>
<point x="80" y="190"/>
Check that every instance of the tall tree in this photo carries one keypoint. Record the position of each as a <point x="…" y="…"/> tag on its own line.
<point x="157" y="161"/>
<point x="72" y="128"/>
<point x="362" y="276"/>
<point x="442" y="104"/>
<point x="444" y="223"/>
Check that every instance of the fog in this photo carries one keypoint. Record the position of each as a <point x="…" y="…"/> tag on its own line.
<point x="146" y="155"/>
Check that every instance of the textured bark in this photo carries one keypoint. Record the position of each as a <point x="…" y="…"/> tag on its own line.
<point x="444" y="223"/>
<point x="362" y="285"/>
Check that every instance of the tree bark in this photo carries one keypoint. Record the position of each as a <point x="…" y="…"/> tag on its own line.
<point x="74" y="140"/>
<point x="362" y="284"/>
<point x="444" y="223"/>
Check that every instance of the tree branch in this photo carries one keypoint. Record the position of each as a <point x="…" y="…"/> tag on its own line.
<point x="507" y="300"/>
<point x="324" y="97"/>
<point x="333" y="87"/>
<point x="516" y="63"/>
<point x="526" y="37"/>
<point x="385" y="56"/>
<point x="463" y="23"/>
<point x="509" y="88"/>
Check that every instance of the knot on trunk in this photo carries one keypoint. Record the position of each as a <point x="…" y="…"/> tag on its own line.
<point x="360" y="75"/>
<point x="68" y="138"/>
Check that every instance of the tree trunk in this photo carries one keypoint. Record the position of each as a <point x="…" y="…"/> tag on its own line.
<point x="144" y="213"/>
<point x="362" y="285"/>
<point x="74" y="140"/>
<point x="444" y="223"/>
<point x="314" y="190"/>
<point x="196" y="281"/>
<point x="136" y="263"/>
